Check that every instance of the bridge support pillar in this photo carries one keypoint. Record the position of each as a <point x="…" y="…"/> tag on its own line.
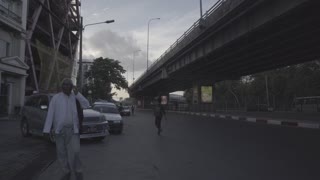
<point x="202" y="97"/>
<point x="145" y="102"/>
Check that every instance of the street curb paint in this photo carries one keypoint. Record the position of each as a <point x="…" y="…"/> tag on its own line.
<point x="287" y="123"/>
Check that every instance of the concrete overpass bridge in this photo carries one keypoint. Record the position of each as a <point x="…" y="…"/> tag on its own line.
<point x="233" y="39"/>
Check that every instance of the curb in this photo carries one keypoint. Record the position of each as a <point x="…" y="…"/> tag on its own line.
<point x="287" y="123"/>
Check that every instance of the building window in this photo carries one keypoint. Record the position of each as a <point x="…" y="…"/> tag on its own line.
<point x="4" y="48"/>
<point x="4" y="3"/>
<point x="11" y="9"/>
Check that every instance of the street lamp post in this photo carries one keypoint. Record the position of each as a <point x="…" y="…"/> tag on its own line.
<point x="201" y="9"/>
<point x="128" y="74"/>
<point x="134" y="52"/>
<point x="148" y="40"/>
<point x="80" y="47"/>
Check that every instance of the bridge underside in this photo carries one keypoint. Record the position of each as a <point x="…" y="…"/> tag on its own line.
<point x="289" y="39"/>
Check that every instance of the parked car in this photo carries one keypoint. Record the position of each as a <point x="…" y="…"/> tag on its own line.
<point x="34" y="113"/>
<point x="94" y="125"/>
<point x="126" y="111"/>
<point x="111" y="113"/>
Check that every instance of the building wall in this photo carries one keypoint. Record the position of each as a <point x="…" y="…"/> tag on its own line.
<point x="13" y="20"/>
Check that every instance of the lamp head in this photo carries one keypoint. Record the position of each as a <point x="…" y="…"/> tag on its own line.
<point x="109" y="21"/>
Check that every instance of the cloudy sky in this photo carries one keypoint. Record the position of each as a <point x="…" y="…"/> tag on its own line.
<point x="119" y="40"/>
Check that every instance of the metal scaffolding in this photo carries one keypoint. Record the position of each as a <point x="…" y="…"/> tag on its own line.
<point x="53" y="30"/>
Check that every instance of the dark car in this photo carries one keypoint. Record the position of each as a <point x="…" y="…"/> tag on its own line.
<point x="34" y="113"/>
<point x="126" y="111"/>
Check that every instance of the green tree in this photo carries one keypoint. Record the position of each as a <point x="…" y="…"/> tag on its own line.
<point x="188" y="94"/>
<point x="104" y="74"/>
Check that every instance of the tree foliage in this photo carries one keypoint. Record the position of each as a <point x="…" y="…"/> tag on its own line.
<point x="104" y="74"/>
<point x="283" y="86"/>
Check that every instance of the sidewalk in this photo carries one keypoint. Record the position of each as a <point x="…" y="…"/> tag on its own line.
<point x="9" y="118"/>
<point x="295" y="119"/>
<point x="5" y="118"/>
<point x="51" y="172"/>
<point x="21" y="157"/>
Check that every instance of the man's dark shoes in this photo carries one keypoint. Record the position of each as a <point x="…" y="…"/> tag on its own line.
<point x="79" y="176"/>
<point x="66" y="176"/>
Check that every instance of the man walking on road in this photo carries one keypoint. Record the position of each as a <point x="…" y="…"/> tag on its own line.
<point x="132" y="109"/>
<point x="158" y="112"/>
<point x="63" y="119"/>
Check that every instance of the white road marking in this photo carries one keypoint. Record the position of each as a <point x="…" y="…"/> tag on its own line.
<point x="235" y="117"/>
<point x="308" y="125"/>
<point x="251" y="119"/>
<point x="275" y="122"/>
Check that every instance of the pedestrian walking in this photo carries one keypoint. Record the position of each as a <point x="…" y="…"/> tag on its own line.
<point x="63" y="119"/>
<point x="132" y="109"/>
<point x="158" y="113"/>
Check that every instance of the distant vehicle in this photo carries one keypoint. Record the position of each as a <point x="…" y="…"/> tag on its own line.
<point x="34" y="113"/>
<point x="307" y="104"/>
<point x="126" y="111"/>
<point x="112" y="115"/>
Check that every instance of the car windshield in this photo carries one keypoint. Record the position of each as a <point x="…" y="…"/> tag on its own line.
<point x="126" y="107"/>
<point x="106" y="109"/>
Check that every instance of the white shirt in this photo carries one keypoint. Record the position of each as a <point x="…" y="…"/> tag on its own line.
<point x="63" y="112"/>
<point x="68" y="117"/>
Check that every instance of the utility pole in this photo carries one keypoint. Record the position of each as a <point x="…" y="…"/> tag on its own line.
<point x="201" y="9"/>
<point x="267" y="90"/>
<point x="148" y="40"/>
<point x="80" y="55"/>
<point x="134" y="52"/>
<point x="80" y="48"/>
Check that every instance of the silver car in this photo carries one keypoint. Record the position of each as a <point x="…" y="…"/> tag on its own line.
<point x="126" y="111"/>
<point x="34" y="113"/>
<point x="94" y="125"/>
<point x="111" y="113"/>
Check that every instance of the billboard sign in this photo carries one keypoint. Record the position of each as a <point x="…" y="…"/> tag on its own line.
<point x="206" y="94"/>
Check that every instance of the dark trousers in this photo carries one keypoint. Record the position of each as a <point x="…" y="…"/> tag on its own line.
<point x="158" y="122"/>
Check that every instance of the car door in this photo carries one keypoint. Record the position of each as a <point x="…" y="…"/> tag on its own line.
<point x="40" y="113"/>
<point x="30" y="111"/>
<point x="43" y="110"/>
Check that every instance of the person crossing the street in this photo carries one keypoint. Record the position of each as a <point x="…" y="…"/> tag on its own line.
<point x="158" y="113"/>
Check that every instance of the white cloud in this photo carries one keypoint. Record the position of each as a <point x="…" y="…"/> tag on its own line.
<point x="129" y="31"/>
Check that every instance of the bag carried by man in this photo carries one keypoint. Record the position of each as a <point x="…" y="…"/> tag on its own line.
<point x="80" y="115"/>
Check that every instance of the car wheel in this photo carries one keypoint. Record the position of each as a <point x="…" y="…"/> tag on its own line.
<point x="24" y="126"/>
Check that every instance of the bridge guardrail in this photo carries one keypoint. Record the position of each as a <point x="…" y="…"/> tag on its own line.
<point x="210" y="17"/>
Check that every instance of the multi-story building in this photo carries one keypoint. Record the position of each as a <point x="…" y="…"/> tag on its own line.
<point x="13" y="20"/>
<point x="38" y="43"/>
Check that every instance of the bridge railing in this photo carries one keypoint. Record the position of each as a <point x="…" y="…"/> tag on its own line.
<point x="184" y="37"/>
<point x="211" y="16"/>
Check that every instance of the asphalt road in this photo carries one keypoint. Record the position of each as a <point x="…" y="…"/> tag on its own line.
<point x="194" y="147"/>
